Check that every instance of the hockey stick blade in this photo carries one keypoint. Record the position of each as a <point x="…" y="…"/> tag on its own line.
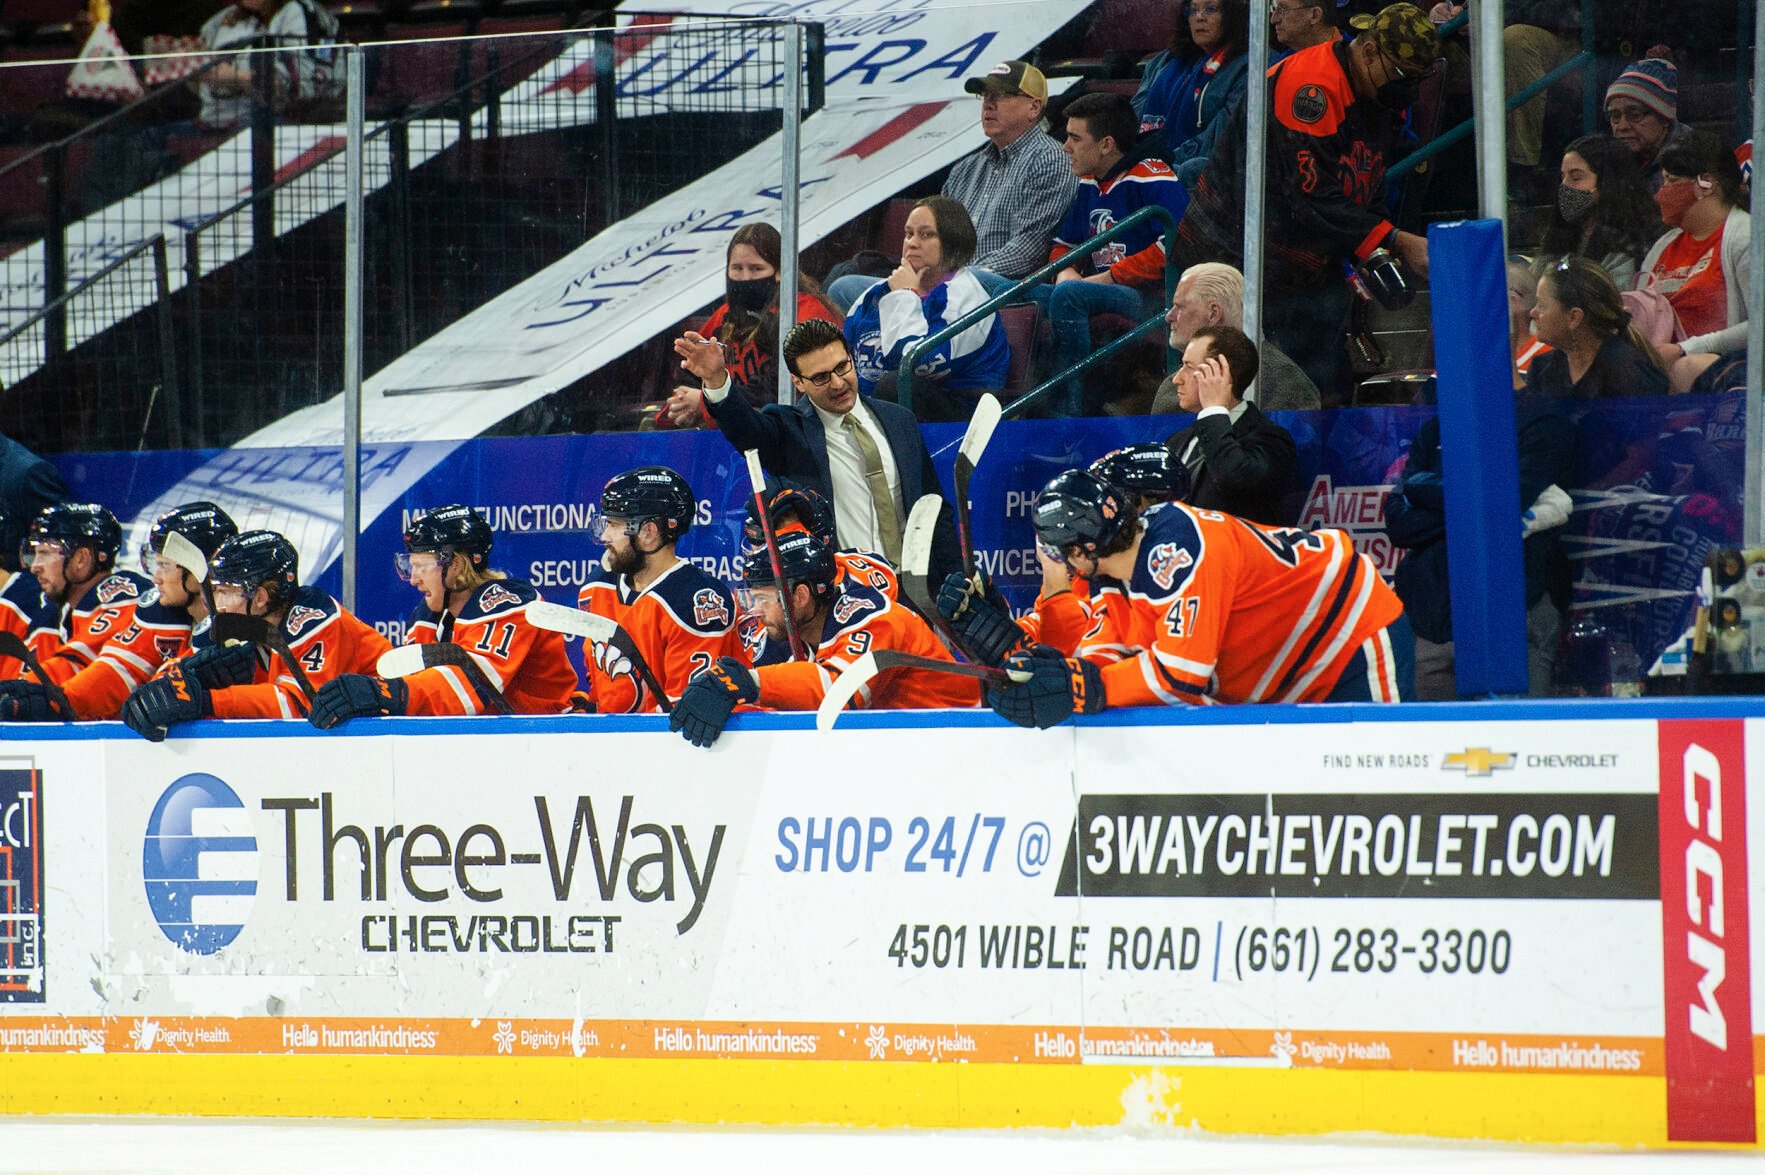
<point x="916" y="556"/>
<point x="866" y="668"/>
<point x="236" y="626"/>
<point x="602" y="631"/>
<point x="189" y="556"/>
<point x="974" y="443"/>
<point x="13" y="645"/>
<point x="408" y="659"/>
<point x="757" y="479"/>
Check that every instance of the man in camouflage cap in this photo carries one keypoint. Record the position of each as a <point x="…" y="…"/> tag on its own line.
<point x="1334" y="111"/>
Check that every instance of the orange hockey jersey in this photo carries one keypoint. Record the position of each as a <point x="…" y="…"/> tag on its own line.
<point x="155" y="634"/>
<point x="74" y="644"/>
<point x="325" y="640"/>
<point x="1223" y="610"/>
<point x="1061" y="620"/>
<point x="528" y="664"/>
<point x="22" y="609"/>
<point x="861" y="620"/>
<point x="681" y="623"/>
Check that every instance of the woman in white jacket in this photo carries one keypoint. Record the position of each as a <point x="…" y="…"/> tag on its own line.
<point x="1703" y="261"/>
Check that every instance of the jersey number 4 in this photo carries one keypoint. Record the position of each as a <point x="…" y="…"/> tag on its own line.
<point x="1286" y="545"/>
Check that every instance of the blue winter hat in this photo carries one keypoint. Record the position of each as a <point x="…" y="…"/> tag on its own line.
<point x="1653" y="81"/>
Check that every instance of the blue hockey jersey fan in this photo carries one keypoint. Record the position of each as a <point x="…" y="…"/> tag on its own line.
<point x="883" y="323"/>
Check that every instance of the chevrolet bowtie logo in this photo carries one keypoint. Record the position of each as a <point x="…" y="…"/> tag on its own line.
<point x="1479" y="761"/>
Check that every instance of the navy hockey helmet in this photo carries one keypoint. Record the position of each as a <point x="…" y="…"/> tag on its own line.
<point x="257" y="558"/>
<point x="653" y="493"/>
<point x="205" y="524"/>
<point x="802" y="556"/>
<point x="447" y="530"/>
<point x="1148" y="469"/>
<point x="1079" y="509"/>
<point x="74" y="525"/>
<point x="787" y="502"/>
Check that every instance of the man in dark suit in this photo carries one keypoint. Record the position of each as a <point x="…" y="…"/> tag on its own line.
<point x="27" y="484"/>
<point x="1239" y="460"/>
<point x="866" y="456"/>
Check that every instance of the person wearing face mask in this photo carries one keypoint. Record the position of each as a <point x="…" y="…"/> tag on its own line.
<point x="1603" y="210"/>
<point x="745" y="326"/>
<point x="1334" y="113"/>
<point x="1702" y="262"/>
<point x="1186" y="91"/>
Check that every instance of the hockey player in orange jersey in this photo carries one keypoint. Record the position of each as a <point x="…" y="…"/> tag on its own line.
<point x="681" y="619"/>
<point x="839" y="620"/>
<point x="257" y="573"/>
<point x="1198" y="607"/>
<point x="71" y="549"/>
<point x="22" y="606"/>
<point x="447" y="558"/>
<point x="1063" y="611"/>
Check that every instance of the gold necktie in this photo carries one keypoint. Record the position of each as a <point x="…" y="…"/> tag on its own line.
<point x="888" y="525"/>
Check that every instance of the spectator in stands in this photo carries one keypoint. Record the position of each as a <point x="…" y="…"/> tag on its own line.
<point x="1125" y="277"/>
<point x="1300" y="24"/>
<point x="1239" y="460"/>
<point x="1015" y="188"/>
<point x="1642" y="108"/>
<point x="1536" y="37"/>
<point x="929" y="290"/>
<point x="1703" y="260"/>
<point x="305" y="74"/>
<point x="1211" y="294"/>
<point x="866" y="456"/>
<point x="1596" y="351"/>
<point x="1522" y="297"/>
<point x="1334" y="111"/>
<point x="1186" y="91"/>
<point x="746" y="325"/>
<point x="1603" y="210"/>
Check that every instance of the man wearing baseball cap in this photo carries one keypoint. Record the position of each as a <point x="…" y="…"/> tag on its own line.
<point x="1015" y="189"/>
<point x="1335" y="110"/>
<point x="1642" y="108"/>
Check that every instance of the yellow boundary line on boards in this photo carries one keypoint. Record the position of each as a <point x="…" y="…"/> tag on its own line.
<point x="1599" y="1109"/>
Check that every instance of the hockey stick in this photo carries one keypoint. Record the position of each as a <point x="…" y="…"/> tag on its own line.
<point x="602" y="631"/>
<point x="861" y="672"/>
<point x="408" y="659"/>
<point x="236" y="626"/>
<point x="916" y="556"/>
<point x="968" y="455"/>
<point x="13" y="645"/>
<point x="757" y="478"/>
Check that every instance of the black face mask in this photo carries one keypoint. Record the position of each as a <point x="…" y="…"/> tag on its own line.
<point x="1398" y="95"/>
<point x="752" y="295"/>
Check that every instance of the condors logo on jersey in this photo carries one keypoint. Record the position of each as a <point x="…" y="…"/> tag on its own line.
<point x="495" y="596"/>
<point x="115" y="588"/>
<point x="708" y="608"/>
<point x="850" y="606"/>
<point x="299" y="617"/>
<point x="1166" y="560"/>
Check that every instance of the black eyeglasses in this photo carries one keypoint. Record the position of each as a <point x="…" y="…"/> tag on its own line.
<point x="822" y="378"/>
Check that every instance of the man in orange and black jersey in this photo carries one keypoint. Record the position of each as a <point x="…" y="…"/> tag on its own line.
<point x="839" y="621"/>
<point x="257" y="573"/>
<point x="447" y="558"/>
<point x="1063" y="611"/>
<point x="1197" y="607"/>
<point x="681" y="619"/>
<point x="71" y="549"/>
<point x="22" y="608"/>
<point x="1335" y="109"/>
<point x="795" y="507"/>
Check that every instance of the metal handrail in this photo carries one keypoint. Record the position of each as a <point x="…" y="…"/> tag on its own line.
<point x="156" y="241"/>
<point x="910" y="358"/>
<point x="1108" y="351"/>
<point x="1442" y="141"/>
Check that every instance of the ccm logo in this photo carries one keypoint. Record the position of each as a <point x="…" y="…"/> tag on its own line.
<point x="1703" y="892"/>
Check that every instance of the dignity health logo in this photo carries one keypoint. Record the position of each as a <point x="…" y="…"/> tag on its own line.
<point x="199" y="864"/>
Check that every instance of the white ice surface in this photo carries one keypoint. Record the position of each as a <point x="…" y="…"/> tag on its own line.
<point x="87" y="1146"/>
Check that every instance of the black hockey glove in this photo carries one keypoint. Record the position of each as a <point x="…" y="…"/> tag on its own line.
<point x="30" y="701"/>
<point x="174" y="696"/>
<point x="1058" y="688"/>
<point x="704" y="705"/>
<point x="357" y="695"/>
<point x="220" y="666"/>
<point x="989" y="630"/>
